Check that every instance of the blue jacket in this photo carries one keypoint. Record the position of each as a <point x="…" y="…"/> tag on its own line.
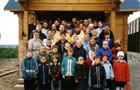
<point x="108" y="70"/>
<point x="29" y="68"/>
<point x="108" y="52"/>
<point x="64" y="65"/>
<point x="43" y="74"/>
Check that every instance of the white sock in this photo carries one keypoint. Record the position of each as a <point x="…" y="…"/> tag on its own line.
<point x="117" y="88"/>
<point x="122" y="88"/>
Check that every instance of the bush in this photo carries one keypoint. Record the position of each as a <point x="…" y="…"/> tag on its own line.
<point x="8" y="53"/>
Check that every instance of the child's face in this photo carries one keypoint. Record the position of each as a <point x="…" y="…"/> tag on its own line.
<point x="49" y="43"/>
<point x="86" y="38"/>
<point x="67" y="46"/>
<point x="69" y="32"/>
<point x="97" y="61"/>
<point x="42" y="50"/>
<point x="81" y="61"/>
<point x="107" y="36"/>
<point x="79" y="44"/>
<point x="105" y="46"/>
<point x="118" y="48"/>
<point x="55" y="60"/>
<point x="87" y="31"/>
<point x="105" y="59"/>
<point x="94" y="33"/>
<point x="76" y="38"/>
<point x="120" y="57"/>
<point x="55" y="50"/>
<point x="70" y="54"/>
<point x="43" y="59"/>
<point x="29" y="54"/>
<point x="92" y="55"/>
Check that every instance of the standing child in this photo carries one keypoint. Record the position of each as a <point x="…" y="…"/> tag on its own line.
<point x="43" y="74"/>
<point x="67" y="70"/>
<point x="108" y="70"/>
<point x="121" y="71"/>
<point x="81" y="74"/>
<point x="29" y="71"/>
<point x="97" y="75"/>
<point x="55" y="72"/>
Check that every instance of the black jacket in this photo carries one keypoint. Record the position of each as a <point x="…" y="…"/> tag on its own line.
<point x="79" y="52"/>
<point x="98" y="76"/>
<point x="102" y="35"/>
<point x="43" y="74"/>
<point x="60" y="48"/>
<point x="81" y="71"/>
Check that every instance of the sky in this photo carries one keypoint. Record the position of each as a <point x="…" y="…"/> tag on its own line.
<point x="9" y="25"/>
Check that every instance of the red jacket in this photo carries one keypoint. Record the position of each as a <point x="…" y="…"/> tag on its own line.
<point x="121" y="71"/>
<point x="89" y="62"/>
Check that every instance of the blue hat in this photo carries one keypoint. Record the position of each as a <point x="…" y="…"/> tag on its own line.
<point x="107" y="24"/>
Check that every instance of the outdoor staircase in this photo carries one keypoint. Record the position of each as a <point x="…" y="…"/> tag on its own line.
<point x="19" y="84"/>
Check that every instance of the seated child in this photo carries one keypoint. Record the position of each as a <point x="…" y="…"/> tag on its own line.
<point x="29" y="69"/>
<point x="81" y="74"/>
<point x="54" y="52"/>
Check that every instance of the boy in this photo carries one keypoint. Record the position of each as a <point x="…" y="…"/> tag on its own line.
<point x="41" y="53"/>
<point x="67" y="71"/>
<point x="55" y="72"/>
<point x="121" y="71"/>
<point x="108" y="70"/>
<point x="54" y="52"/>
<point x="43" y="74"/>
<point x="97" y="75"/>
<point x="29" y="71"/>
<point x="81" y="74"/>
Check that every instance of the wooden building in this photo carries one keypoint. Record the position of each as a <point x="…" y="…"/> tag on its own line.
<point x="113" y="11"/>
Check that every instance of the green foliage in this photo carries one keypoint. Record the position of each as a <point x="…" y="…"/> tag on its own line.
<point x="8" y="53"/>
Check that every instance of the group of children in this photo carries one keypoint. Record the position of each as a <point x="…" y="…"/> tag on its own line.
<point x="81" y="64"/>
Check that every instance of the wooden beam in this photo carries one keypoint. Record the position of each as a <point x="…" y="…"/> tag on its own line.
<point x="113" y="20"/>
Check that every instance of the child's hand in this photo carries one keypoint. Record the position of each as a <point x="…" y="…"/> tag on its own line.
<point x="76" y="81"/>
<point x="63" y="77"/>
<point x="108" y="62"/>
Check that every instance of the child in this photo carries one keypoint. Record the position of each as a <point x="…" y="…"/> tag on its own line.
<point x="67" y="46"/>
<point x="107" y="38"/>
<point x="48" y="45"/>
<point x="108" y="70"/>
<point x="55" y="73"/>
<point x="81" y="74"/>
<point x="97" y="75"/>
<point x="29" y="71"/>
<point x="41" y="53"/>
<point x="121" y="71"/>
<point x="67" y="71"/>
<point x="43" y="74"/>
<point x="54" y="52"/>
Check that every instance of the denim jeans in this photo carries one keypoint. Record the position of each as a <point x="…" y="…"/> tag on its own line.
<point x="59" y="85"/>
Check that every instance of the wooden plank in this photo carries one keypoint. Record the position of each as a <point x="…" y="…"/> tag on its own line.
<point x="69" y="7"/>
<point x="8" y="72"/>
<point x="69" y="1"/>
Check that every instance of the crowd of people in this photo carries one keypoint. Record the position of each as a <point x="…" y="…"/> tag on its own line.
<point x="74" y="55"/>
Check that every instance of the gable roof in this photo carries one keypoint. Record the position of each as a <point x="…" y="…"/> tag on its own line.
<point x="130" y="5"/>
<point x="11" y="5"/>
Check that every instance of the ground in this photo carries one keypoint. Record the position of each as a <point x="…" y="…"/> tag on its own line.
<point x="7" y="82"/>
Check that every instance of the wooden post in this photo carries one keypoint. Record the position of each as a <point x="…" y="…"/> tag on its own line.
<point x="26" y="25"/>
<point x="113" y="21"/>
